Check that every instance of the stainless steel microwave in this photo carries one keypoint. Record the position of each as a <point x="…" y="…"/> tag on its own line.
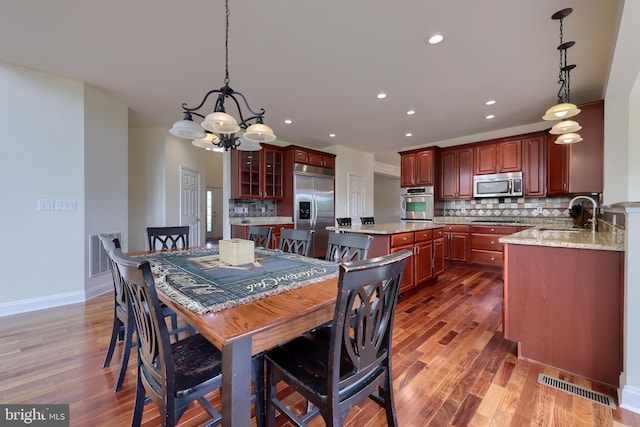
<point x="498" y="185"/>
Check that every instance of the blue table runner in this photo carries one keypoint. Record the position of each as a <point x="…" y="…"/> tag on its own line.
<point x="198" y="280"/>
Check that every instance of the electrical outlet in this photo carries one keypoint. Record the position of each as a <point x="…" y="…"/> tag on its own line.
<point x="463" y="210"/>
<point x="45" y="204"/>
<point x="539" y="209"/>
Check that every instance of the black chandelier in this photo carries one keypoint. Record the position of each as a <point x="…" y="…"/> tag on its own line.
<point x="564" y="109"/>
<point x="219" y="129"/>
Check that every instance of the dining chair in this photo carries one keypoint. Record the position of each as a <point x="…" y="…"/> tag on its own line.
<point x="337" y="367"/>
<point x="176" y="374"/>
<point x="367" y="220"/>
<point x="167" y="238"/>
<point x="260" y="235"/>
<point x="343" y="221"/>
<point x="123" y="324"/>
<point x="295" y="241"/>
<point x="347" y="247"/>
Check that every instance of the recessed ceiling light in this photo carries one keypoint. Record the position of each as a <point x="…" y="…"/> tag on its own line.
<point x="408" y="134"/>
<point x="288" y="121"/>
<point x="332" y="135"/>
<point x="490" y="102"/>
<point x="411" y="112"/>
<point x="382" y="95"/>
<point x="490" y="116"/>
<point x="435" y="39"/>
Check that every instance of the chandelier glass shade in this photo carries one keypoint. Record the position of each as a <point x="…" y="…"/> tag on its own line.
<point x="220" y="129"/>
<point x="564" y="109"/>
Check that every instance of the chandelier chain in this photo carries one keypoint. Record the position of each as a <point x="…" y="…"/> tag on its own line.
<point x="226" y="45"/>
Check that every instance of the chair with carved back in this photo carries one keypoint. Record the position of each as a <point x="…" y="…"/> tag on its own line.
<point x="367" y="220"/>
<point x="261" y="236"/>
<point x="295" y="241"/>
<point x="343" y="221"/>
<point x="337" y="367"/>
<point x="168" y="238"/>
<point x="173" y="375"/>
<point x="347" y="247"/>
<point x="123" y="324"/>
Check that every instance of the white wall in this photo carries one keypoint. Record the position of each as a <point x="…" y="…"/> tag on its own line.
<point x="106" y="178"/>
<point x="147" y="185"/>
<point x="45" y="265"/>
<point x="386" y="200"/>
<point x="155" y="158"/>
<point x="349" y="161"/>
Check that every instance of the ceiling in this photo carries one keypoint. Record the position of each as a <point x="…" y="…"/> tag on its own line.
<point x="322" y="63"/>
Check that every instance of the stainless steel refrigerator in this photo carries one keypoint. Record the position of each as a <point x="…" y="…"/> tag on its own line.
<point x="314" y="204"/>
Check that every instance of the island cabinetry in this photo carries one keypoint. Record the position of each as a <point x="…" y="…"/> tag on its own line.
<point x="423" y="251"/>
<point x="257" y="174"/>
<point x="314" y="158"/>
<point x="485" y="247"/>
<point x="438" y="252"/>
<point x="534" y="165"/>
<point x="456" y="242"/>
<point x="399" y="242"/>
<point x="498" y="157"/>
<point x="242" y="232"/>
<point x="418" y="168"/>
<point x="578" y="168"/>
<point x="456" y="179"/>
<point x="564" y="308"/>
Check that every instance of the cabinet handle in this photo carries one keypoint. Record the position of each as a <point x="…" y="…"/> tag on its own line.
<point x="493" y="229"/>
<point x="493" y="259"/>
<point x="492" y="243"/>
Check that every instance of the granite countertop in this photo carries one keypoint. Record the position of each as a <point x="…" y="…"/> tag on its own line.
<point x="260" y="220"/>
<point x="388" y="228"/>
<point x="565" y="237"/>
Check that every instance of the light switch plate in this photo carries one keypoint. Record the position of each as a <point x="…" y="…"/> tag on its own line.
<point x="45" y="204"/>
<point x="66" y="205"/>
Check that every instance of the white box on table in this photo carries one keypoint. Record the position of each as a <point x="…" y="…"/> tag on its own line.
<point x="236" y="251"/>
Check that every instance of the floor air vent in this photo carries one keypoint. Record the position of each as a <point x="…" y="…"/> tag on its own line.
<point x="570" y="388"/>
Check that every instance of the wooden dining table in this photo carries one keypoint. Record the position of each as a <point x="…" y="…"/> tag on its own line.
<point x="245" y="330"/>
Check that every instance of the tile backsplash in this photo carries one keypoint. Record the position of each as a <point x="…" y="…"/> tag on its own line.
<point x="252" y="208"/>
<point x="550" y="207"/>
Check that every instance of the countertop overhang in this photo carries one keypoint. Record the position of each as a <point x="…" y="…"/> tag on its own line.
<point x="387" y="228"/>
<point x="567" y="238"/>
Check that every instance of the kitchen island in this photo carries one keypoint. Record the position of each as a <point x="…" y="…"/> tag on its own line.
<point x="563" y="293"/>
<point x="240" y="226"/>
<point x="424" y="239"/>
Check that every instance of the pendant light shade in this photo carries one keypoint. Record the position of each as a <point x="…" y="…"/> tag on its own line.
<point x="561" y="111"/>
<point x="568" y="138"/>
<point x="220" y="122"/>
<point x="259" y="132"/>
<point x="246" y="145"/>
<point x="187" y="129"/>
<point x="209" y="142"/>
<point x="565" y="126"/>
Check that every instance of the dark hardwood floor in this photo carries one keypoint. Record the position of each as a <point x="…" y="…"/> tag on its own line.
<point x="451" y="366"/>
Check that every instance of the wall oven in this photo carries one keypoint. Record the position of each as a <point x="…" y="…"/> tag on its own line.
<point x="498" y="185"/>
<point x="416" y="203"/>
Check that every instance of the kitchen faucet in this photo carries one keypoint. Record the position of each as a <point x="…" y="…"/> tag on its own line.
<point x="595" y="208"/>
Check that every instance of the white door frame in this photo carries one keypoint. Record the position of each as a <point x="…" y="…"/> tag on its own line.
<point x="190" y="203"/>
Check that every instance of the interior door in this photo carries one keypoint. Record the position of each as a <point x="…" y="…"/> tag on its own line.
<point x="190" y="203"/>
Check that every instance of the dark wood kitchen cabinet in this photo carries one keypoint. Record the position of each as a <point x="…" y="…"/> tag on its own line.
<point x="486" y="248"/>
<point x="456" y="242"/>
<point x="456" y="177"/>
<point x="534" y="165"/>
<point x="257" y="174"/>
<point x="418" y="168"/>
<point x="578" y="167"/>
<point x="314" y="158"/>
<point x="499" y="157"/>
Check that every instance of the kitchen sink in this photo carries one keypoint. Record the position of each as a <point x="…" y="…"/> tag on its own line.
<point x="564" y="230"/>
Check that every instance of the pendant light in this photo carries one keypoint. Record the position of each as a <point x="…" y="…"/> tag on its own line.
<point x="220" y="129"/>
<point x="564" y="109"/>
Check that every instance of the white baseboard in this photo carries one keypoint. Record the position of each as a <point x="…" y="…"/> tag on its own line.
<point x="41" y="303"/>
<point x="630" y="398"/>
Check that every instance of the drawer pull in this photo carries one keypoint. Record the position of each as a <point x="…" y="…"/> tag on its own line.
<point x="493" y="259"/>
<point x="492" y="243"/>
<point x="493" y="229"/>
